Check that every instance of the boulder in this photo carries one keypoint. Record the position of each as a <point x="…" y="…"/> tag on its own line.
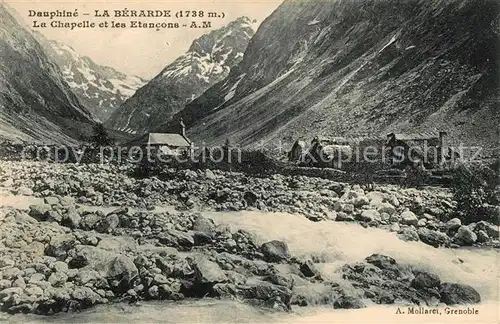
<point x="39" y="212"/>
<point x="348" y="208"/>
<point x="422" y="222"/>
<point x="395" y="227"/>
<point x="60" y="266"/>
<point x="122" y="269"/>
<point x="59" y="245"/>
<point x="409" y="234"/>
<point x="376" y="197"/>
<point x="203" y="224"/>
<point x="308" y="269"/>
<point x="71" y="219"/>
<point x="250" y="198"/>
<point x="381" y="261"/>
<point x="370" y="215"/>
<point x="108" y="224"/>
<point x="86" y="296"/>
<point x="177" y="239"/>
<point x="465" y="236"/>
<point x="154" y="292"/>
<point x="361" y="201"/>
<point x="262" y="290"/>
<point x="208" y="272"/>
<point x="57" y="279"/>
<point x="89" y="221"/>
<point x="453" y="294"/>
<point x="425" y="279"/>
<point x="51" y="200"/>
<point x="493" y="231"/>
<point x="275" y="251"/>
<point x="432" y="237"/>
<point x="54" y="216"/>
<point x="348" y="302"/>
<point x="385" y="208"/>
<point x="409" y="218"/>
<point x="453" y="224"/>
<point x="343" y="217"/>
<point x="93" y="257"/>
<point x="482" y="236"/>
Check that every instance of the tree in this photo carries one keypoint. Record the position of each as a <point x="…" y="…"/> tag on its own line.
<point x="101" y="136"/>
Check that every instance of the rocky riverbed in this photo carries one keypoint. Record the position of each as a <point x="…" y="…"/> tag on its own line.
<point x="92" y="234"/>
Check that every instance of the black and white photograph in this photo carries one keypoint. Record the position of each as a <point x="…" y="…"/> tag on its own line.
<point x="271" y="161"/>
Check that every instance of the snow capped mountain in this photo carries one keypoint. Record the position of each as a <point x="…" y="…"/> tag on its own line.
<point x="342" y="68"/>
<point x="35" y="102"/>
<point x="208" y="61"/>
<point x="100" y="88"/>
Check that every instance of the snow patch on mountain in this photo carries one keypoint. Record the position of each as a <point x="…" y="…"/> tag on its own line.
<point x="100" y="88"/>
<point x="208" y="61"/>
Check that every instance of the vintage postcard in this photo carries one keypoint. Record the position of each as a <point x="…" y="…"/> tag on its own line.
<point x="271" y="161"/>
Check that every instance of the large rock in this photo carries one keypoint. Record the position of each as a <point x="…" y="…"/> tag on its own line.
<point x="59" y="245"/>
<point x="86" y="296"/>
<point x="39" y="212"/>
<point x="275" y="251"/>
<point x="376" y="197"/>
<point x="93" y="257"/>
<point x="431" y="237"/>
<point x="89" y="221"/>
<point x="370" y="215"/>
<point x="203" y="224"/>
<point x="343" y="217"/>
<point x="408" y="234"/>
<point x="385" y="208"/>
<point x="381" y="261"/>
<point x="409" y="218"/>
<point x="308" y="269"/>
<point x="453" y="224"/>
<point x="178" y="239"/>
<point x="108" y="224"/>
<point x="348" y="302"/>
<point x="262" y="290"/>
<point x="425" y="279"/>
<point x="122" y="269"/>
<point x="361" y="201"/>
<point x="207" y="271"/>
<point x="453" y="294"/>
<point x="71" y="219"/>
<point x="465" y="236"/>
<point x="57" y="279"/>
<point x="53" y="200"/>
<point x="490" y="229"/>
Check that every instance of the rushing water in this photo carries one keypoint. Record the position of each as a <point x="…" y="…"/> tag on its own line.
<point x="333" y="243"/>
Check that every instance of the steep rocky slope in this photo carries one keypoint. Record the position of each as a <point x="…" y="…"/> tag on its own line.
<point x="35" y="103"/>
<point x="207" y="62"/>
<point x="99" y="88"/>
<point x="359" y="67"/>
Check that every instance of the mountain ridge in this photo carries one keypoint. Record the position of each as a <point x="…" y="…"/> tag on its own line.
<point x="340" y="68"/>
<point x="102" y="89"/>
<point x="207" y="61"/>
<point x="37" y="104"/>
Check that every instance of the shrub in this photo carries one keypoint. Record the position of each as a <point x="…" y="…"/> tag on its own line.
<point x="476" y="189"/>
<point x="101" y="136"/>
<point x="416" y="177"/>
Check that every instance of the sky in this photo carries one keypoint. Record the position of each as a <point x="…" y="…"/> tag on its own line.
<point x="141" y="52"/>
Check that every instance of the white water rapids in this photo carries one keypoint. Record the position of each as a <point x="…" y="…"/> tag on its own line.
<point x="334" y="243"/>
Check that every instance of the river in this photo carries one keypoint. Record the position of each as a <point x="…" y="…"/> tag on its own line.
<point x="334" y="243"/>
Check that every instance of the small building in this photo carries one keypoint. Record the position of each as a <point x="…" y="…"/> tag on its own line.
<point x="172" y="144"/>
<point x="418" y="148"/>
